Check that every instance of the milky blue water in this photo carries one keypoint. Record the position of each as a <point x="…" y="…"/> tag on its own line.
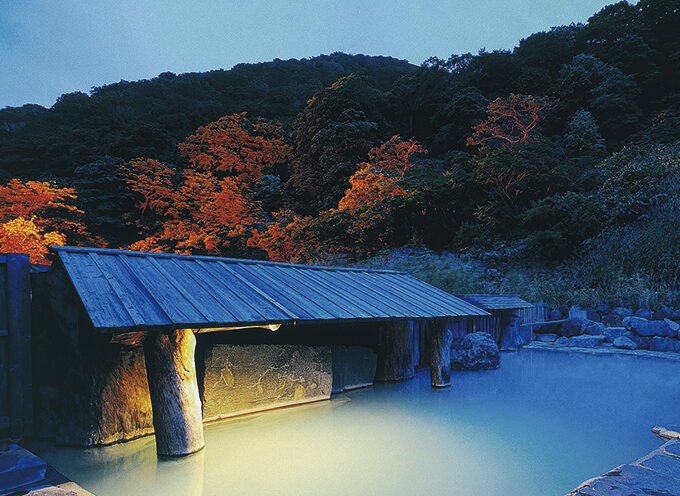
<point x="540" y="425"/>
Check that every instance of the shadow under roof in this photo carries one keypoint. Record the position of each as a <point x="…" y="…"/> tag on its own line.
<point x="131" y="290"/>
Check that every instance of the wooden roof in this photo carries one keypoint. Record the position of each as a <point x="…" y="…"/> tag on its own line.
<point x="496" y="302"/>
<point x="128" y="290"/>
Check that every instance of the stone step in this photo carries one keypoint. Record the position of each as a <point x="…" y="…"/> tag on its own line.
<point x="19" y="467"/>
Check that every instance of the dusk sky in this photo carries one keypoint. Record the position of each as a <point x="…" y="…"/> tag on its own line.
<point x="52" y="47"/>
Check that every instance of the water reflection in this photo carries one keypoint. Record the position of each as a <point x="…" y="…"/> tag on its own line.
<point x="540" y="425"/>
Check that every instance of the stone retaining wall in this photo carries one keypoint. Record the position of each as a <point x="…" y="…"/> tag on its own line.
<point x="243" y="379"/>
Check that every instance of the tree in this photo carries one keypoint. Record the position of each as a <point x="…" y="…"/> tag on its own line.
<point x="510" y="120"/>
<point x="235" y="146"/>
<point x="35" y="215"/>
<point x="605" y="91"/>
<point x="335" y="130"/>
<point x="24" y="236"/>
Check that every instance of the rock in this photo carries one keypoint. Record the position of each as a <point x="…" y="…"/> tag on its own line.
<point x="242" y="379"/>
<point x="643" y="343"/>
<point x="664" y="344"/>
<point x="611" y="320"/>
<point x="586" y="341"/>
<point x="622" y="312"/>
<point x="659" y="328"/>
<point x="672" y="328"/>
<point x="664" y="433"/>
<point x="545" y="338"/>
<point x="572" y="327"/>
<point x="555" y="315"/>
<point x="638" y="325"/>
<point x="676" y="314"/>
<point x="476" y="351"/>
<point x="611" y="333"/>
<point x="625" y="343"/>
<point x="562" y="340"/>
<point x="594" y="328"/>
<point x="645" y="313"/>
<point x="548" y="328"/>
<point x="353" y="367"/>
<point x="19" y="467"/>
<point x="663" y="313"/>
<point x="629" y="480"/>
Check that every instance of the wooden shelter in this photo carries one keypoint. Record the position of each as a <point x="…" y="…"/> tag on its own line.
<point x="163" y="300"/>
<point x="504" y="319"/>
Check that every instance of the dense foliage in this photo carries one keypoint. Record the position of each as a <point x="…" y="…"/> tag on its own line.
<point x="565" y="148"/>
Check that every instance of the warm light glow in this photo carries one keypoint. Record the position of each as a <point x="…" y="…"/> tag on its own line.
<point x="271" y="327"/>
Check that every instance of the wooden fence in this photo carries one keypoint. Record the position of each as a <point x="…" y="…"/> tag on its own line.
<point x="16" y="389"/>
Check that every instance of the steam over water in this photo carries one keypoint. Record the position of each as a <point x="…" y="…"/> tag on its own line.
<point x="540" y="425"/>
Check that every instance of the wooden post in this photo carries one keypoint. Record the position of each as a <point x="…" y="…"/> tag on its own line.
<point x="19" y="344"/>
<point x="175" y="401"/>
<point x="440" y="353"/>
<point x="395" y="351"/>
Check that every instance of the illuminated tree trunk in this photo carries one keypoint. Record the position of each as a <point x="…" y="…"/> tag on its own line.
<point x="439" y="340"/>
<point x="395" y="352"/>
<point x="176" y="404"/>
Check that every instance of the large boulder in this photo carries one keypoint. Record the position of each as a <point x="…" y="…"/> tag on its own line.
<point x="545" y="338"/>
<point x="572" y="327"/>
<point x="638" y="325"/>
<point x="663" y="313"/>
<point x="664" y="344"/>
<point x="625" y="343"/>
<point x="476" y="351"/>
<point x="611" y="333"/>
<point x="642" y="342"/>
<point x="672" y="328"/>
<point x="594" y="328"/>
<point x="645" y="313"/>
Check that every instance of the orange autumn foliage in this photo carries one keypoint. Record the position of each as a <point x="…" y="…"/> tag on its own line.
<point x="152" y="180"/>
<point x="361" y="223"/>
<point x="234" y="145"/>
<point x="290" y="238"/>
<point x="201" y="214"/>
<point x="24" y="236"/>
<point x="381" y="179"/>
<point x="35" y="215"/>
<point x="511" y="120"/>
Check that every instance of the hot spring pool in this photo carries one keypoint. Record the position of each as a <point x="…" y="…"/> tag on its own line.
<point x="540" y="425"/>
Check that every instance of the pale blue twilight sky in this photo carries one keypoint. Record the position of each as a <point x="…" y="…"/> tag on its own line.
<point x="50" y="47"/>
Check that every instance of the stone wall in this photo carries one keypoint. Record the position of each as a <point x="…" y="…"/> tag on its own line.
<point x="242" y="379"/>
<point x="88" y="391"/>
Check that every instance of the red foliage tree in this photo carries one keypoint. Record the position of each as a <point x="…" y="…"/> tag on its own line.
<point x="510" y="120"/>
<point x="236" y="146"/>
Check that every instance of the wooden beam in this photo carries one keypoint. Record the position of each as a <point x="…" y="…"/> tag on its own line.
<point x="175" y="400"/>
<point x="396" y="361"/>
<point x="439" y="339"/>
<point x="19" y="344"/>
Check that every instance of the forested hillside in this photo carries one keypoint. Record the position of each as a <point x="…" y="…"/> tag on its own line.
<point x="562" y="153"/>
